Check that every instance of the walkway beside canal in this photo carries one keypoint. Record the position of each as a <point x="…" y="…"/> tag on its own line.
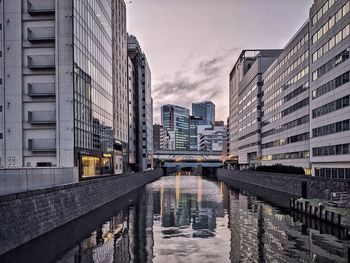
<point x="27" y="215"/>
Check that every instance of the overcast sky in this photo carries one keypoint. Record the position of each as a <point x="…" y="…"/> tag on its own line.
<point x="192" y="45"/>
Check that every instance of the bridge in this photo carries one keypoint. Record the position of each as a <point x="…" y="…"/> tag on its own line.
<point x="188" y="159"/>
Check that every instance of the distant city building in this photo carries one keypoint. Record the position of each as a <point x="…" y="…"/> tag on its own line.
<point x="158" y="137"/>
<point x="132" y="123"/>
<point x="176" y="118"/>
<point x="206" y="110"/>
<point x="194" y="122"/>
<point x="60" y="88"/>
<point x="213" y="139"/>
<point x="219" y="123"/>
<point x="170" y="140"/>
<point x="143" y="105"/>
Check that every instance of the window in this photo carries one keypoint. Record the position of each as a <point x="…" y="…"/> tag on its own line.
<point x="340" y="149"/>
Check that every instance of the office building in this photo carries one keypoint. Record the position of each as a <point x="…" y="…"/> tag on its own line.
<point x="143" y="105"/>
<point x="249" y="105"/>
<point x="57" y="85"/>
<point x="194" y="139"/>
<point x="169" y="140"/>
<point x="330" y="88"/>
<point x="120" y="85"/>
<point x="213" y="139"/>
<point x="176" y="118"/>
<point x="304" y="98"/>
<point x="285" y="105"/>
<point x="206" y="110"/>
<point x="158" y="137"/>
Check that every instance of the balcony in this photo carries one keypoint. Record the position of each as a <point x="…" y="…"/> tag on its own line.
<point x="42" y="117"/>
<point x="42" y="145"/>
<point x="41" y="34"/>
<point x="41" y="62"/>
<point x="41" y="89"/>
<point x="40" y="7"/>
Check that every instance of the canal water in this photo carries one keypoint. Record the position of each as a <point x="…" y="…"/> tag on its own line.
<point x="185" y="218"/>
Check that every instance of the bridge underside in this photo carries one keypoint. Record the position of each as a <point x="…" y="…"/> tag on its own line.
<point x="192" y="164"/>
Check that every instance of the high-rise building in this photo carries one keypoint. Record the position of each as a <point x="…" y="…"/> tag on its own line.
<point x="143" y="105"/>
<point x="285" y="105"/>
<point x="158" y="137"/>
<point x="57" y="87"/>
<point x="248" y="104"/>
<point x="330" y="88"/>
<point x="120" y="85"/>
<point x="194" y="139"/>
<point x="176" y="118"/>
<point x="206" y="110"/>
<point x="304" y="98"/>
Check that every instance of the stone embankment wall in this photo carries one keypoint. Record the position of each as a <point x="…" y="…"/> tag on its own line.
<point x="279" y="188"/>
<point x="27" y="215"/>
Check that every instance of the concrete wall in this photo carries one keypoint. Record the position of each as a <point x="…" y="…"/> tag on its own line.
<point x="280" y="187"/>
<point x="25" y="216"/>
<point x="27" y="179"/>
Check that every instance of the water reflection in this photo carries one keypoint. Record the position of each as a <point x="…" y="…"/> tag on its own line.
<point x="186" y="218"/>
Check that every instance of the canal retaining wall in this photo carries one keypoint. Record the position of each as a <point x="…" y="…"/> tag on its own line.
<point x="279" y="188"/>
<point x="28" y="215"/>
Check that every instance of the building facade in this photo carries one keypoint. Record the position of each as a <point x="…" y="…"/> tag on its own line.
<point x="304" y="98"/>
<point x="158" y="137"/>
<point x="206" y="110"/>
<point x="120" y="85"/>
<point x="285" y="106"/>
<point x="330" y="88"/>
<point x="143" y="105"/>
<point x="59" y="87"/>
<point x="249" y="106"/>
<point x="213" y="139"/>
<point x="176" y="118"/>
<point x="194" y="122"/>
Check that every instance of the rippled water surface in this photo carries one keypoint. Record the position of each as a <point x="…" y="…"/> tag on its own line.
<point x="186" y="218"/>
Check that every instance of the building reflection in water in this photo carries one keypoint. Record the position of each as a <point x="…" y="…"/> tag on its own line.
<point x="190" y="219"/>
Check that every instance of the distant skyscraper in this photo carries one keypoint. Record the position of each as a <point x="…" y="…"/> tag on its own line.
<point x="143" y="105"/>
<point x="206" y="110"/>
<point x="176" y="118"/>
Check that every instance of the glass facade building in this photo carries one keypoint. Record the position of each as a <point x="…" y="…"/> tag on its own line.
<point x="176" y="118"/>
<point x="206" y="110"/>
<point x="93" y="86"/>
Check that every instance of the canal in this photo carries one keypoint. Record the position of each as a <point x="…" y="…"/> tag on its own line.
<point x="186" y="218"/>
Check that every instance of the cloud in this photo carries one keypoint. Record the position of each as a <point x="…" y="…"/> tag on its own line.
<point x="200" y="78"/>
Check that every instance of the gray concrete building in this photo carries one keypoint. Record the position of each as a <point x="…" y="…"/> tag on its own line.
<point x="143" y="105"/>
<point x="57" y="85"/>
<point x="285" y="105"/>
<point x="120" y="86"/>
<point x="194" y="140"/>
<point x="249" y="105"/>
<point x="213" y="139"/>
<point x="330" y="88"/>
